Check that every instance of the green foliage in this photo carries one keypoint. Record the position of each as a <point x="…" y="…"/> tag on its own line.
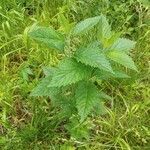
<point x="85" y="25"/>
<point x="78" y="130"/>
<point x="47" y="121"/>
<point x="107" y="75"/>
<point x="68" y="72"/>
<point x="122" y="58"/>
<point x="123" y="45"/>
<point x="93" y="57"/>
<point x="65" y="25"/>
<point x="104" y="29"/>
<point x="85" y="63"/>
<point x="48" y="36"/>
<point x="87" y="96"/>
<point x="43" y="90"/>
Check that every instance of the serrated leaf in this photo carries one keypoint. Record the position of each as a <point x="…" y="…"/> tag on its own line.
<point x="120" y="74"/>
<point x="42" y="88"/>
<point x="104" y="29"/>
<point x="94" y="44"/>
<point x="87" y="97"/>
<point x="107" y="43"/>
<point x="76" y="129"/>
<point x="85" y="25"/>
<point x="67" y="107"/>
<point x="69" y="71"/>
<point x="48" y="36"/>
<point x="123" y="44"/>
<point x="103" y="75"/>
<point x="25" y="72"/>
<point x="93" y="57"/>
<point x="48" y="70"/>
<point x="122" y="59"/>
<point x="100" y="106"/>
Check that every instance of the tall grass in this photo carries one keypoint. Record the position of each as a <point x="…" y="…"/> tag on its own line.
<point x="27" y="123"/>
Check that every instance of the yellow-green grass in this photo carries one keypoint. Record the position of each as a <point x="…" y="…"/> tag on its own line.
<point x="32" y="123"/>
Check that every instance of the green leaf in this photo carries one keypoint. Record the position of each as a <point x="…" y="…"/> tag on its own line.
<point x="25" y="72"/>
<point x="48" y="70"/>
<point x="103" y="75"/>
<point x="123" y="44"/>
<point x="93" y="57"/>
<point x="105" y="96"/>
<point x="67" y="107"/>
<point x="85" y="25"/>
<point x="94" y="44"/>
<point x="100" y="106"/>
<point x="87" y="97"/>
<point x="64" y="22"/>
<point x="104" y="29"/>
<point x="42" y="88"/>
<point x="48" y="36"/>
<point x="78" y="130"/>
<point x="107" y="43"/>
<point x="120" y="74"/>
<point x="100" y="109"/>
<point x="122" y="59"/>
<point x="69" y="71"/>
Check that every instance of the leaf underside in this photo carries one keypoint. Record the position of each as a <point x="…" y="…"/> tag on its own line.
<point x="104" y="29"/>
<point x="103" y="75"/>
<point x="123" y="45"/>
<point x="85" y="25"/>
<point x="123" y="59"/>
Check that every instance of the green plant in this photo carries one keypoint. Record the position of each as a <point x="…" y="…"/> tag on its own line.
<point x="90" y="53"/>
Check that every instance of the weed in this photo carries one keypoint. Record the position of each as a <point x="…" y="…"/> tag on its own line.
<point x="73" y="85"/>
<point x="34" y="123"/>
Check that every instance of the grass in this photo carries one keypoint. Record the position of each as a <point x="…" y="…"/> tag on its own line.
<point x="30" y="123"/>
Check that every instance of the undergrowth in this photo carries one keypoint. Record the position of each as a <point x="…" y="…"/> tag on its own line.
<point x="28" y="122"/>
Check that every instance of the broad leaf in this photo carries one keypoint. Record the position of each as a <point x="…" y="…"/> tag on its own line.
<point x="107" y="43"/>
<point x="103" y="75"/>
<point x="104" y="29"/>
<point x="48" y="36"/>
<point x="42" y="88"/>
<point x="120" y="74"/>
<point x="94" y="44"/>
<point x="93" y="57"/>
<point x="47" y="70"/>
<point x="123" y="44"/>
<point x="76" y="129"/>
<point x="67" y="106"/>
<point x="100" y="109"/>
<point x="105" y="96"/>
<point x="87" y="97"/>
<point x="25" y="72"/>
<point x="69" y="71"/>
<point x="122" y="59"/>
<point x="85" y="25"/>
